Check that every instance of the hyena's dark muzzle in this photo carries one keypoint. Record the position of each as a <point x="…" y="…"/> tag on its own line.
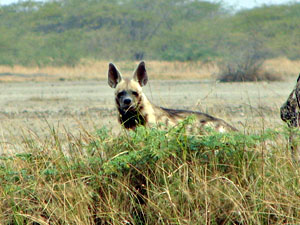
<point x="125" y="101"/>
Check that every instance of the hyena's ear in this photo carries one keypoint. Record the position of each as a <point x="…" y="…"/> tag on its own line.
<point x="297" y="91"/>
<point x="140" y="74"/>
<point x="114" y="77"/>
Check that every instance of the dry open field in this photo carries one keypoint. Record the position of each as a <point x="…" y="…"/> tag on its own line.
<point x="34" y="100"/>
<point x="75" y="106"/>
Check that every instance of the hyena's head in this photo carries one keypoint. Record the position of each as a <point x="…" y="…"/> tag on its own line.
<point x="128" y="92"/>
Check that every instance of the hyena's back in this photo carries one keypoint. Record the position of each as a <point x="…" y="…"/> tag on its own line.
<point x="173" y="116"/>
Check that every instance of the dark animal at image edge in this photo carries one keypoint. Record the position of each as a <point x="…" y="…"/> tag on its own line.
<point x="290" y="114"/>
<point x="135" y="109"/>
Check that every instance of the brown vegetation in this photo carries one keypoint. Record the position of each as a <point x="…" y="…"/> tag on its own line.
<point x="247" y="67"/>
<point x="97" y="70"/>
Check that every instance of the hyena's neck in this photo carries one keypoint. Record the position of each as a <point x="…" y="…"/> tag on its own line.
<point x="131" y="119"/>
<point x="141" y="115"/>
<point x="147" y="109"/>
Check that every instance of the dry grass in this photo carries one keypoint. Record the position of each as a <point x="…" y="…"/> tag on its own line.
<point x="148" y="177"/>
<point x="256" y="69"/>
<point x="282" y="67"/>
<point x="97" y="70"/>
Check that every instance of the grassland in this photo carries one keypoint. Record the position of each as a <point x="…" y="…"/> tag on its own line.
<point x="65" y="160"/>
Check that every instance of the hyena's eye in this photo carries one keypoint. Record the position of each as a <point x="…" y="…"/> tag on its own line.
<point x="120" y="94"/>
<point x="135" y="93"/>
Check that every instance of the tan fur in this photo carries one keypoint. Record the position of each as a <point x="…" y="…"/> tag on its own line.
<point x="150" y="113"/>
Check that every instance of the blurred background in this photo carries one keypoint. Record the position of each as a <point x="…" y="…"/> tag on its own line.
<point x="69" y="33"/>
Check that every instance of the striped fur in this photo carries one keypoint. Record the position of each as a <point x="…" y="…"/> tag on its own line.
<point x="290" y="114"/>
<point x="135" y="109"/>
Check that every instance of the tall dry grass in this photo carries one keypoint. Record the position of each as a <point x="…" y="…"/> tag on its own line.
<point x="97" y="70"/>
<point x="282" y="67"/>
<point x="151" y="177"/>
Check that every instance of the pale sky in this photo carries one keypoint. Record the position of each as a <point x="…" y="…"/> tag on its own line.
<point x="254" y="3"/>
<point x="235" y="3"/>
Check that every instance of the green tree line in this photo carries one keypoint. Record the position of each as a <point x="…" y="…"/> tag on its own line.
<point x="63" y="32"/>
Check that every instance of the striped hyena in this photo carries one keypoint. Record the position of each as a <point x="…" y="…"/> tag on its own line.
<point x="290" y="114"/>
<point x="135" y="109"/>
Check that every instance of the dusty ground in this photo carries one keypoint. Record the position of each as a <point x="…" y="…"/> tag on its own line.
<point x="31" y="107"/>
